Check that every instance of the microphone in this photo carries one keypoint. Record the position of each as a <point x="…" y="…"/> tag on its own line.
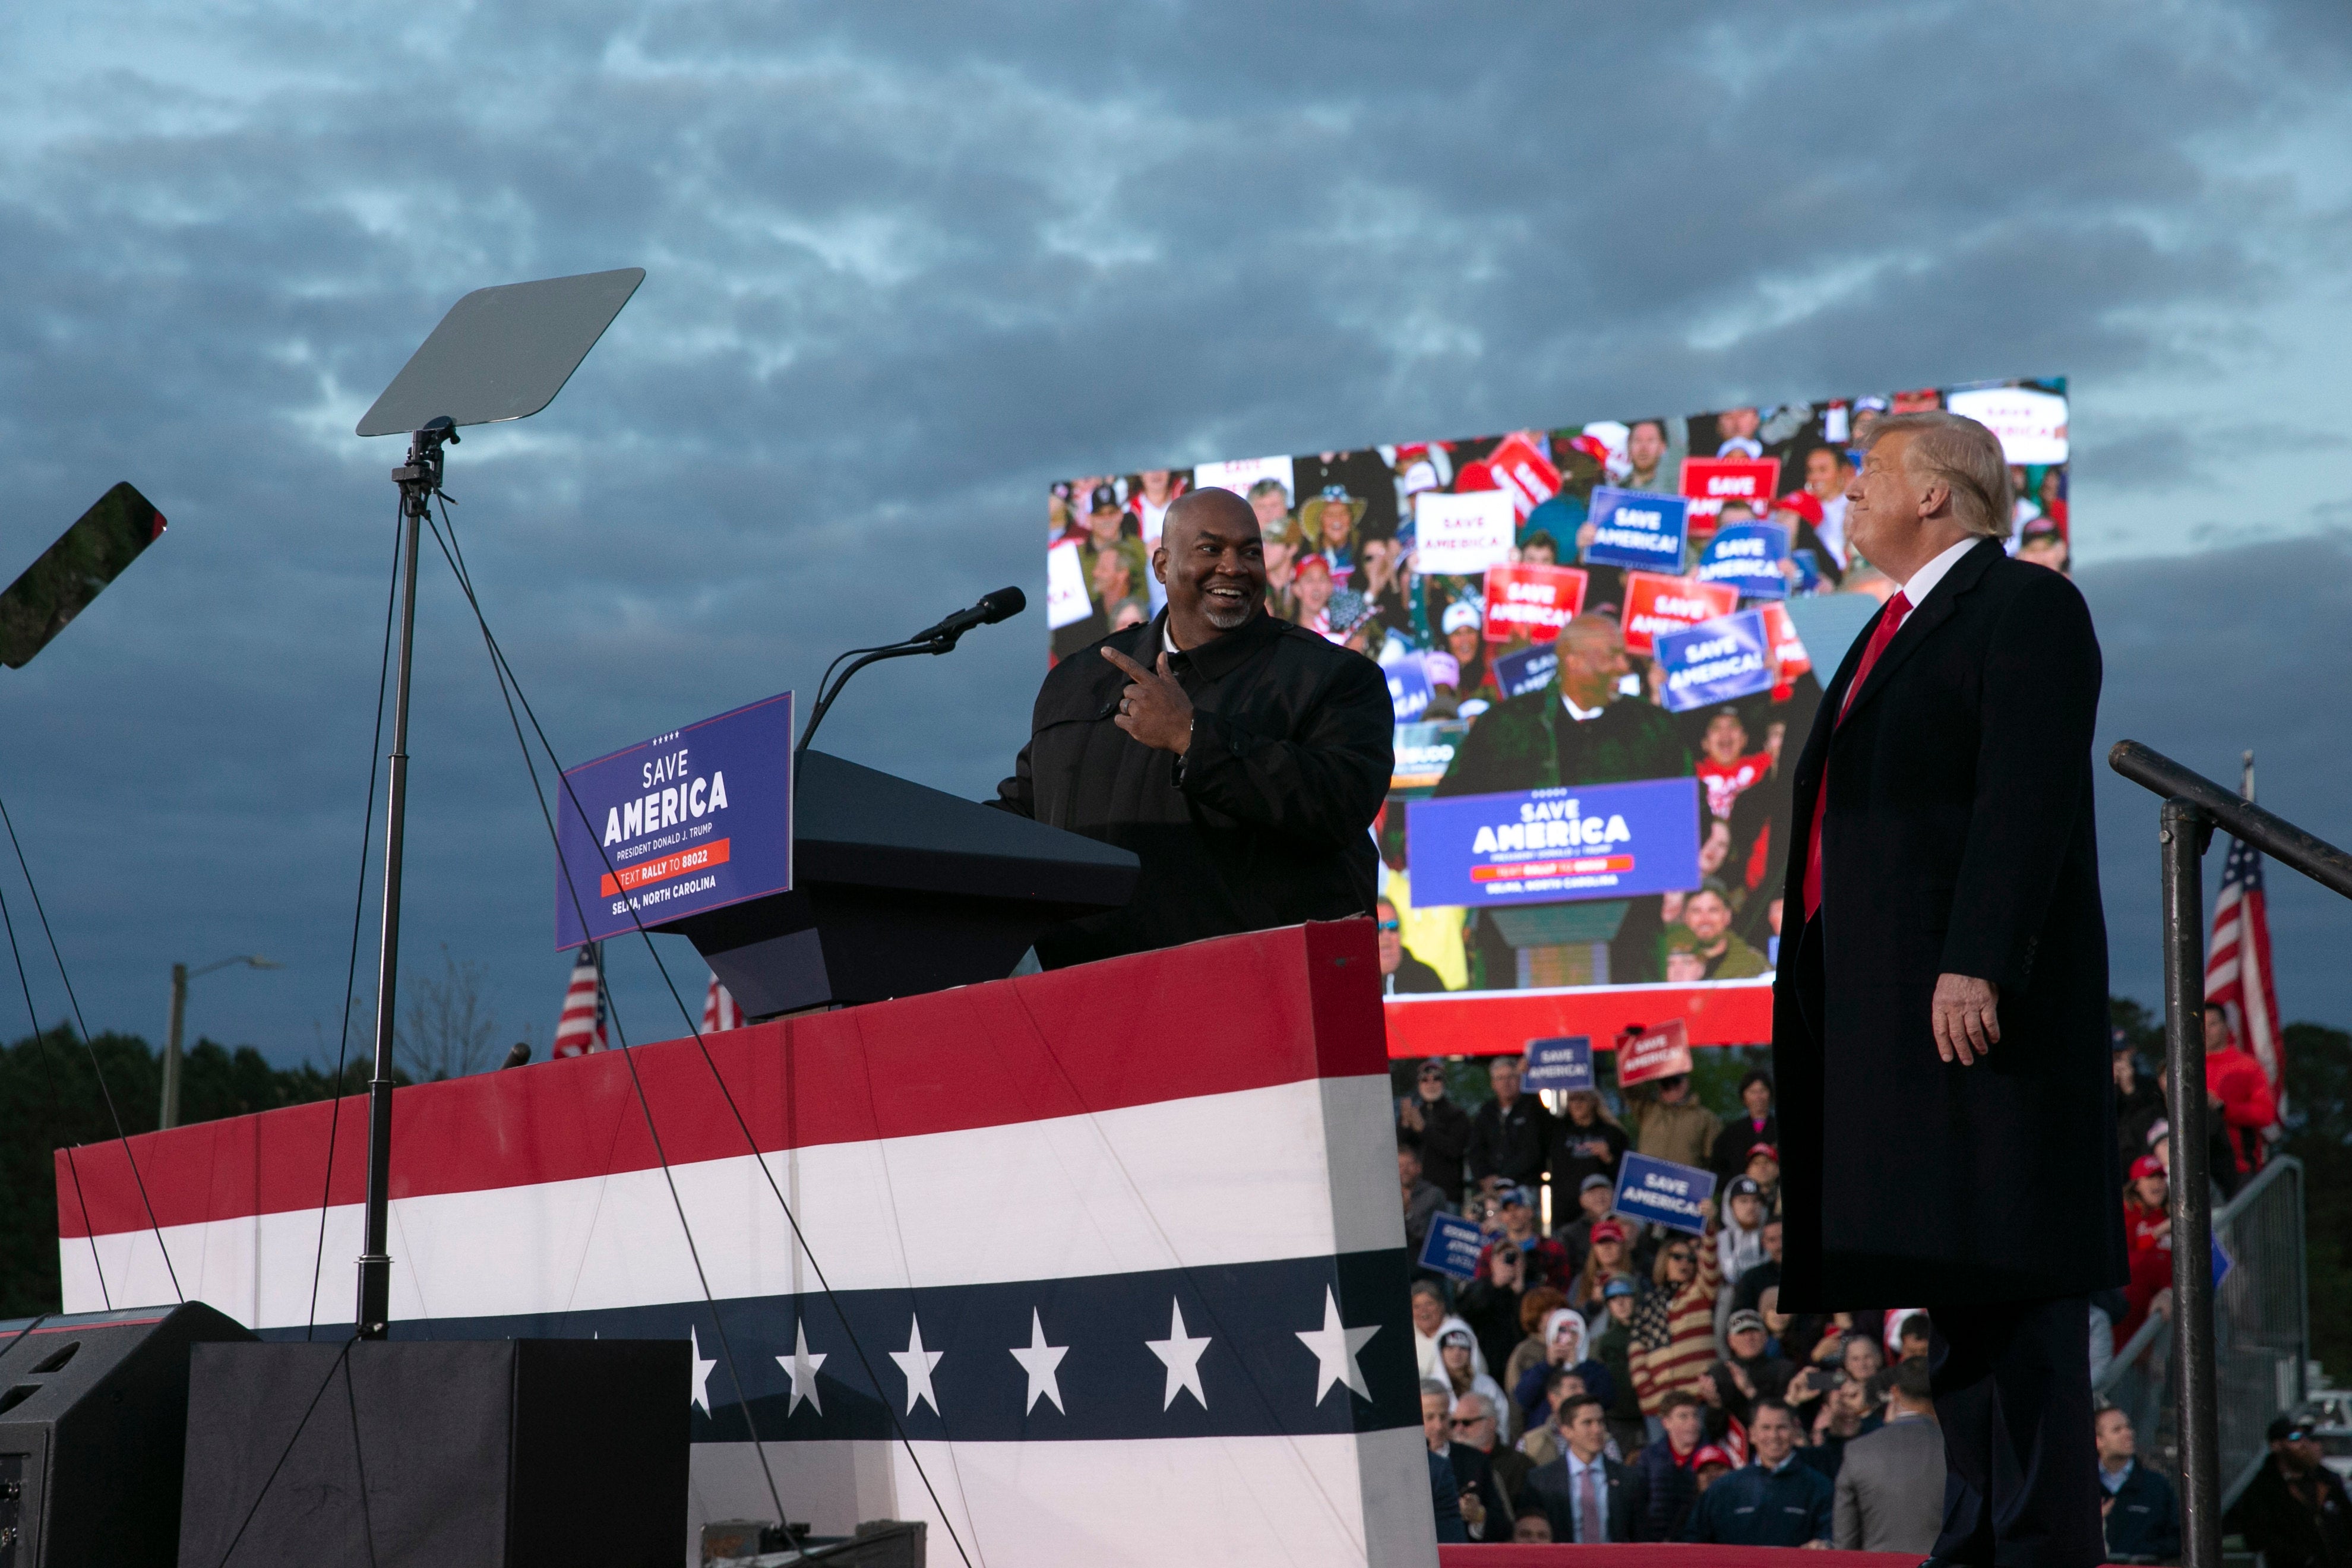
<point x="1003" y="605"/>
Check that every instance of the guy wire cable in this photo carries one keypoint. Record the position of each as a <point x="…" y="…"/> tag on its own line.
<point x="645" y="1107"/>
<point x="56" y="1120"/>
<point x="358" y="911"/>
<point x="507" y="675"/>
<point x="106" y="1093"/>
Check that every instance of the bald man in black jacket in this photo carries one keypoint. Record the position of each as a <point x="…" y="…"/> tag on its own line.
<point x="1241" y="757"/>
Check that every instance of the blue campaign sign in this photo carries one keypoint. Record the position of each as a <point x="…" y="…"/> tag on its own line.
<point x="1664" y="1192"/>
<point x="1408" y="689"/>
<point x="692" y="820"/>
<point x="1529" y="669"/>
<point x="1562" y="1063"/>
<point x="1808" y="570"/>
<point x="1717" y="661"/>
<point x="2223" y="1261"/>
<point x="1747" y="556"/>
<point x="1635" y="528"/>
<point x="1555" y="846"/>
<point x="1453" y="1246"/>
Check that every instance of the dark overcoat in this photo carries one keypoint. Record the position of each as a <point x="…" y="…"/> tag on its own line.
<point x="1958" y="840"/>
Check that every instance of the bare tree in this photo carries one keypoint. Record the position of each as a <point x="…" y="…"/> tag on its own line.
<point x="447" y="1029"/>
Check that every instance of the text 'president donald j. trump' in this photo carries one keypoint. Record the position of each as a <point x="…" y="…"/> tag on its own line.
<point x="1941" y="1032"/>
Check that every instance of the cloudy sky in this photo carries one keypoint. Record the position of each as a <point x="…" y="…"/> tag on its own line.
<point x="905" y="267"/>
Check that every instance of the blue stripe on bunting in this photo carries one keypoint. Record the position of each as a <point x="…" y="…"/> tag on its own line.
<point x="1255" y="1374"/>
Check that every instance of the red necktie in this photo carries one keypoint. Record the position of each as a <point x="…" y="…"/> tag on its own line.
<point x="1897" y="608"/>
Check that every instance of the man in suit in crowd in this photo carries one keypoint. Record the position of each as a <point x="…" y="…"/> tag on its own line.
<point x="1941" y="1021"/>
<point x="1890" y="1482"/>
<point x="2143" y="1515"/>
<point x="1588" y="1497"/>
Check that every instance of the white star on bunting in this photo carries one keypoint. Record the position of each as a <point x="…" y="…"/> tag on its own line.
<point x="917" y="1363"/>
<point x="1039" y="1360"/>
<point x="1181" y="1356"/>
<point x="802" y="1368"/>
<point x="701" y="1373"/>
<point x="1335" y="1347"/>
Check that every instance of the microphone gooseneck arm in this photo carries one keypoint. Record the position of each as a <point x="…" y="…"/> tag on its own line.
<point x="1003" y="605"/>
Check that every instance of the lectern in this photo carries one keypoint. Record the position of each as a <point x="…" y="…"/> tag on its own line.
<point x="900" y="890"/>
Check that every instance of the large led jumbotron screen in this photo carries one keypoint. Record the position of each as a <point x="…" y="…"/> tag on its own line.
<point x="1604" y="643"/>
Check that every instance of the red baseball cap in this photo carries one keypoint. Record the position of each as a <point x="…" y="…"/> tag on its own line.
<point x="1804" y="503"/>
<point x="1756" y="1149"/>
<point x="1708" y="1454"/>
<point x="2147" y="1166"/>
<point x="1608" y="1230"/>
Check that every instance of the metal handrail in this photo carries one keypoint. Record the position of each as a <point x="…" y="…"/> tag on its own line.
<point x="2193" y="806"/>
<point x="2153" y="1324"/>
<point x="2242" y="819"/>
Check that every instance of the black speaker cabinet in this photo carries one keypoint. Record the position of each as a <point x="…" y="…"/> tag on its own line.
<point x="93" y="1410"/>
<point x="438" y="1454"/>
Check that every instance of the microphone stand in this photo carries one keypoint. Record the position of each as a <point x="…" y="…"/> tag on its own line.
<point x="934" y="643"/>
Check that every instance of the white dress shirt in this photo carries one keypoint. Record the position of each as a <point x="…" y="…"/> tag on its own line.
<point x="1923" y="581"/>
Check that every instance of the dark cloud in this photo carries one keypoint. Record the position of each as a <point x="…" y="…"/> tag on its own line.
<point x="907" y="267"/>
<point x="2208" y="657"/>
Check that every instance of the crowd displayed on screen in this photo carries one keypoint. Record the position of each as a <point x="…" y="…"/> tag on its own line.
<point x="1638" y="574"/>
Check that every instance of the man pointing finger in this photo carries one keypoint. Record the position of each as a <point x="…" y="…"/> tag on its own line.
<point x="1240" y="758"/>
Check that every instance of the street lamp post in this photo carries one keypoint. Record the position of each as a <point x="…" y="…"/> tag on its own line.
<point x="181" y="975"/>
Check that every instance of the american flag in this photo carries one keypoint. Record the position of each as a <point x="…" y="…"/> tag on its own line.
<point x="719" y="1009"/>
<point x="582" y="1028"/>
<point x="2238" y="965"/>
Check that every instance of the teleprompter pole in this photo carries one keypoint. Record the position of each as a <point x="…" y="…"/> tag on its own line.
<point x="418" y="479"/>
<point x="2182" y="835"/>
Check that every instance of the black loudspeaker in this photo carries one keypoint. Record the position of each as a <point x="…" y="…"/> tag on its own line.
<point x="93" y="1411"/>
<point x="446" y="1453"/>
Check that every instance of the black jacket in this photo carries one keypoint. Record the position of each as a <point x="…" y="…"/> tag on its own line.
<point x="1412" y="977"/>
<point x="2145" y="1520"/>
<point x="1267" y="821"/>
<point x="1550" y="1487"/>
<point x="1571" y="1165"/>
<point x="1728" y="1158"/>
<point x="1444" y="1144"/>
<point x="1958" y="840"/>
<point x="1669" y="1493"/>
<point x="1511" y="1146"/>
<point x="1475" y="1472"/>
<point x="1445" y="1502"/>
<point x="2287" y="1533"/>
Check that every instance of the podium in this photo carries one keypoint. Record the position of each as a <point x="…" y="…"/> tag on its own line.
<point x="900" y="890"/>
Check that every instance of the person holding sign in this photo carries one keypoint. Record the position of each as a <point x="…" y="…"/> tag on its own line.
<point x="1240" y="758"/>
<point x="1939" y="1040"/>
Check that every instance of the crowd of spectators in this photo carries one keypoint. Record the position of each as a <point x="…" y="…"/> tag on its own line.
<point x="1341" y="541"/>
<point x="1602" y="1379"/>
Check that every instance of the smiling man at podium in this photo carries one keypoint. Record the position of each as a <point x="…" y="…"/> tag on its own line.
<point x="1240" y="758"/>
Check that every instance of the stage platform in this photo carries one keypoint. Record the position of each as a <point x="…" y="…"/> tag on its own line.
<point x="1664" y="1556"/>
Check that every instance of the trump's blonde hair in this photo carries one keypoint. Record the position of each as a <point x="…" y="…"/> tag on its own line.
<point x="1965" y="456"/>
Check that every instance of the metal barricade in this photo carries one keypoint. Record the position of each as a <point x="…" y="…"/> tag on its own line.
<point x="2261" y="1332"/>
<point x="2203" y="1344"/>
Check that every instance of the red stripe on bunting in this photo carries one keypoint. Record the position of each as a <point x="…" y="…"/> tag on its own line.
<point x="1213" y="1017"/>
